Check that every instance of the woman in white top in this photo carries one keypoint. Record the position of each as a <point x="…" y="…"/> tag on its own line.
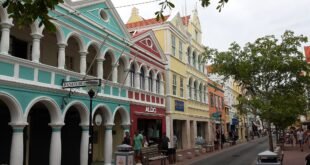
<point x="300" y="138"/>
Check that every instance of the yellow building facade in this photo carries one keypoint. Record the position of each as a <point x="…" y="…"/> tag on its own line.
<point x="187" y="114"/>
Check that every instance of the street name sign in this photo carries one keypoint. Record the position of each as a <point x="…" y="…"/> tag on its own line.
<point x="81" y="83"/>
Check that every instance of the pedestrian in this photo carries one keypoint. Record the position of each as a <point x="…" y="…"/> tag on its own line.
<point x="307" y="136"/>
<point x="137" y="146"/>
<point x="300" y="138"/>
<point x="165" y="143"/>
<point x="126" y="138"/>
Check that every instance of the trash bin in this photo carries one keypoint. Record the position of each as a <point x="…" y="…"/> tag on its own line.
<point x="268" y="158"/>
<point x="124" y="155"/>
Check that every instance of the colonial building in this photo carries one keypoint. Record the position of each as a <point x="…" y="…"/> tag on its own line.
<point x="186" y="87"/>
<point x="146" y="95"/>
<point x="42" y="123"/>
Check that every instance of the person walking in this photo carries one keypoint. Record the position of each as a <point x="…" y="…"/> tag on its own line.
<point x="137" y="146"/>
<point x="300" y="138"/>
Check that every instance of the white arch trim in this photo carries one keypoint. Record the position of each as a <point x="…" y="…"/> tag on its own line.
<point x="124" y="115"/>
<point x="82" y="109"/>
<point x="14" y="108"/>
<point x="52" y="107"/>
<point x="107" y="114"/>
<point x="78" y="39"/>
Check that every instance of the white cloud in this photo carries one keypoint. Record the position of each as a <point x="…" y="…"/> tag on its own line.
<point x="240" y="20"/>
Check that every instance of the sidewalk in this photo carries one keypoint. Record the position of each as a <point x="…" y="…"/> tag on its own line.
<point x="201" y="156"/>
<point x="293" y="155"/>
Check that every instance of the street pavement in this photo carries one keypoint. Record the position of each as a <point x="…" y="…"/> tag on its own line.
<point x="242" y="154"/>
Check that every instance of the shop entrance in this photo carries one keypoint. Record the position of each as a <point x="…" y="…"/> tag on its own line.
<point x="5" y="134"/>
<point x="152" y="129"/>
<point x="201" y="129"/>
<point x="71" y="138"/>
<point x="37" y="136"/>
<point x="179" y="129"/>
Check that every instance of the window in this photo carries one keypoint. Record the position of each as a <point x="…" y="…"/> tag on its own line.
<point x="132" y="76"/>
<point x="204" y="94"/>
<point x="189" y="55"/>
<point x="174" y="85"/>
<point x="104" y="15"/>
<point x="196" y="35"/>
<point x="69" y="63"/>
<point x="211" y="100"/>
<point x="173" y="44"/>
<point x="19" y="48"/>
<point x="195" y="91"/>
<point x="180" y="50"/>
<point x="151" y="82"/>
<point x="200" y="93"/>
<point x="158" y="84"/>
<point x="181" y="87"/>
<point x="194" y="59"/>
<point x="142" y="79"/>
<point x="190" y="89"/>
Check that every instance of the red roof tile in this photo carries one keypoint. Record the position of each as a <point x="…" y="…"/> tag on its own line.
<point x="146" y="22"/>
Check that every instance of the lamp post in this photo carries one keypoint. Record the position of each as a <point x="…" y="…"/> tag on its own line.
<point x="91" y="94"/>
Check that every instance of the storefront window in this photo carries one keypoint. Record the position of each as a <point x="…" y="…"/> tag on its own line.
<point x="151" y="129"/>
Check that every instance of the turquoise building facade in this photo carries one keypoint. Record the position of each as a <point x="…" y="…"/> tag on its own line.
<point x="42" y="123"/>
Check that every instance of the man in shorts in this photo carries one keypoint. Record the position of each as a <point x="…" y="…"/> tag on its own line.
<point x="300" y="138"/>
<point x="137" y="146"/>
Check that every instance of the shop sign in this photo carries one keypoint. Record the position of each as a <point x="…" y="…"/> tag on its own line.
<point x="81" y="83"/>
<point x="150" y="109"/>
<point x="179" y="105"/>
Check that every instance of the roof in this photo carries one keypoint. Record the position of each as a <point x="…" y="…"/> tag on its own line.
<point x="153" y="21"/>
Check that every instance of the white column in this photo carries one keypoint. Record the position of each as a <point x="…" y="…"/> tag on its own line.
<point x="61" y="55"/>
<point x="108" y="142"/>
<point x="146" y="83"/>
<point x="195" y="132"/>
<point x="100" y="68"/>
<point x="127" y="77"/>
<point x="17" y="147"/>
<point x="193" y="91"/>
<point x="154" y="85"/>
<point x="84" y="145"/>
<point x="162" y="85"/>
<point x="137" y="80"/>
<point x="5" y="38"/>
<point x="83" y="66"/>
<point x="188" y="135"/>
<point x="55" y="148"/>
<point x="114" y="73"/>
<point x="36" y="47"/>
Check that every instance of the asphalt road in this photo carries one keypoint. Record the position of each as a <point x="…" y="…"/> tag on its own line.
<point x="244" y="154"/>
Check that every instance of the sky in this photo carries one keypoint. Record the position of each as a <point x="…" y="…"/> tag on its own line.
<point x="241" y="21"/>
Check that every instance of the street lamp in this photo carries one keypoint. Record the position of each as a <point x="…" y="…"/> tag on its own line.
<point x="91" y="94"/>
<point x="92" y="85"/>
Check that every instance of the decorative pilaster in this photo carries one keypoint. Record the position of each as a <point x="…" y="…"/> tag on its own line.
<point x="35" y="56"/>
<point x="108" y="144"/>
<point x="100" y="68"/>
<point x="55" y="147"/>
<point x="17" y="147"/>
<point x="61" y="55"/>
<point x="5" y="38"/>
<point x="114" y="73"/>
<point x="193" y="91"/>
<point x="83" y="66"/>
<point x="84" y="145"/>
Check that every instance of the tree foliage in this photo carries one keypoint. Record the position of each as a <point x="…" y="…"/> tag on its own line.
<point x="272" y="71"/>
